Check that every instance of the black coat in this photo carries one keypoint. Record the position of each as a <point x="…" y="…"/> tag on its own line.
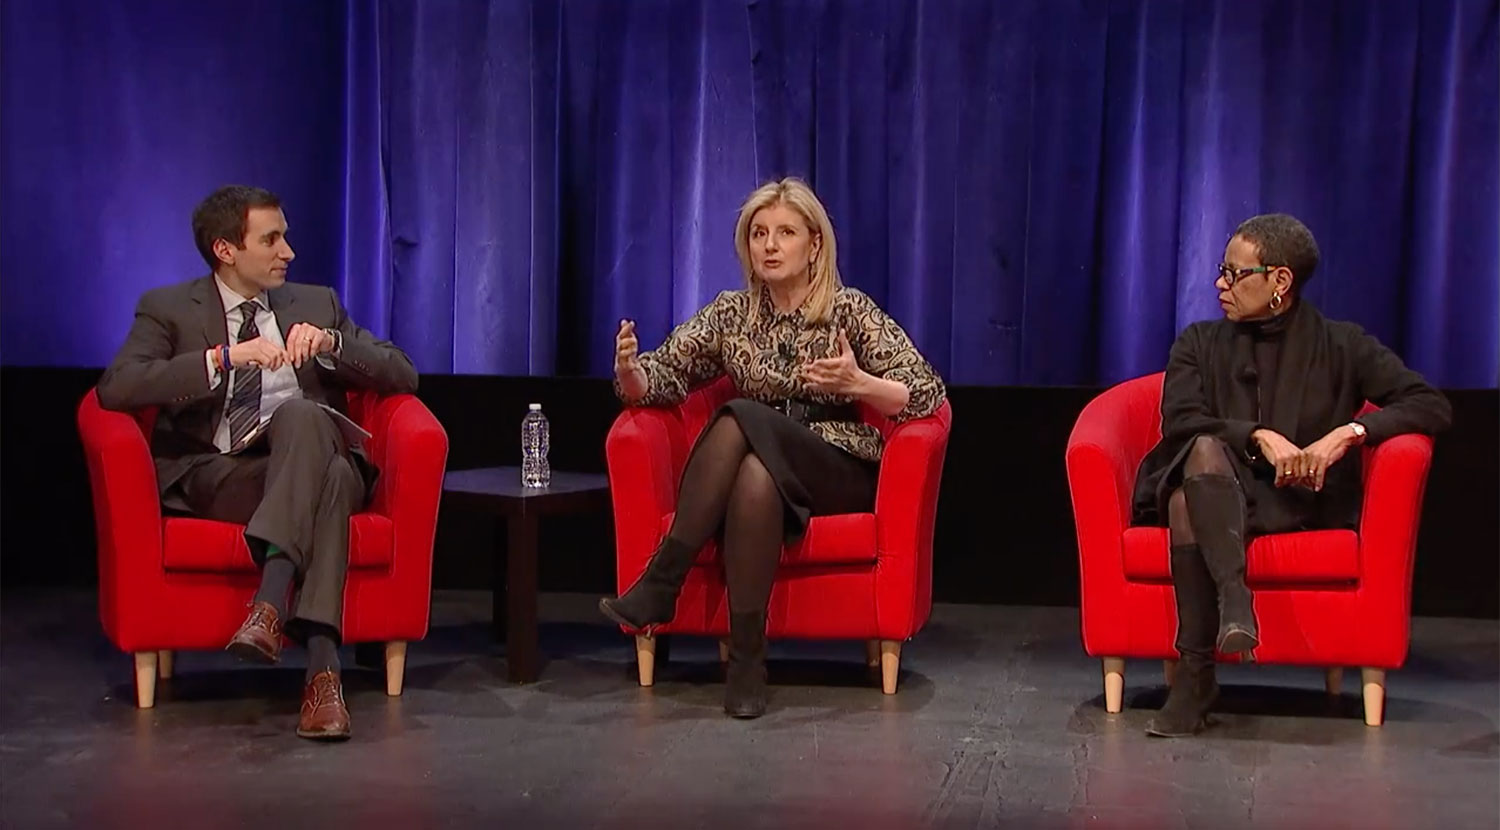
<point x="1327" y="370"/>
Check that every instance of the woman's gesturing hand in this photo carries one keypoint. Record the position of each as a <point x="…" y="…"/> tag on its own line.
<point x="837" y="375"/>
<point x="627" y="362"/>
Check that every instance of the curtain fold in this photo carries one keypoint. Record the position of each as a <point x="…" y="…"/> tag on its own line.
<point x="1038" y="190"/>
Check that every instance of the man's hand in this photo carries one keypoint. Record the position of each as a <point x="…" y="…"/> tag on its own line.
<point x="306" y="341"/>
<point x="258" y="352"/>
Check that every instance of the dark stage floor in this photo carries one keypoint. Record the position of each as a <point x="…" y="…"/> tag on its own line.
<point x="999" y="722"/>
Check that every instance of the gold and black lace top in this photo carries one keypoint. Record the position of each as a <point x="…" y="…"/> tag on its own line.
<point x="763" y="359"/>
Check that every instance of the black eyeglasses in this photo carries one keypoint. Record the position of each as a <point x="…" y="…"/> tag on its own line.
<point x="1230" y="275"/>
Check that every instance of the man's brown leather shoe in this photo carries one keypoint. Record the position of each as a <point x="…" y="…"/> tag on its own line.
<point x="259" y="637"/>
<point x="324" y="716"/>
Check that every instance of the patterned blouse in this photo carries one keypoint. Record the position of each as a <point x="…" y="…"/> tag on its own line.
<point x="764" y="358"/>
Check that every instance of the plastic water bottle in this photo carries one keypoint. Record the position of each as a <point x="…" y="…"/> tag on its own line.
<point x="534" y="445"/>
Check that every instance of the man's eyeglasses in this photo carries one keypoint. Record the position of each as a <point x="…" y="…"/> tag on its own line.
<point x="1230" y="276"/>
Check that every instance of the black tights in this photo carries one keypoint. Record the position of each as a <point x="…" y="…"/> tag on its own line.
<point x="724" y="483"/>
<point x="1208" y="457"/>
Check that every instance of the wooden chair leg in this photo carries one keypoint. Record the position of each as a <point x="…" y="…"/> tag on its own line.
<point x="1373" y="681"/>
<point x="164" y="665"/>
<point x="1333" y="681"/>
<point x="1114" y="684"/>
<point x="645" y="658"/>
<point x="1169" y="670"/>
<point x="145" y="679"/>
<point x="872" y="653"/>
<point x="395" y="667"/>
<point x="890" y="665"/>
<point x="723" y="651"/>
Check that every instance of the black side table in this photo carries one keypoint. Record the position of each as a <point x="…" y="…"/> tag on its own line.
<point x="499" y="490"/>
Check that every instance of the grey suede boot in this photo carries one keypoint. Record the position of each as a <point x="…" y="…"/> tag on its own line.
<point x="1195" y="687"/>
<point x="652" y="600"/>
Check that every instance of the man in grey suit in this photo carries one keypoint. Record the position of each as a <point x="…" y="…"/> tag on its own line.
<point x="249" y="373"/>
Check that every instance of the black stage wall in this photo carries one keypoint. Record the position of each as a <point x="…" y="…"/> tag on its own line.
<point x="1004" y="529"/>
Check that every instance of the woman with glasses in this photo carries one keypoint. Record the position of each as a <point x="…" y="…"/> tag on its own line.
<point x="1257" y="431"/>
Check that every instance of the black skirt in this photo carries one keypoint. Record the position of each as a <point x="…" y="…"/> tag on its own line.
<point x="814" y="477"/>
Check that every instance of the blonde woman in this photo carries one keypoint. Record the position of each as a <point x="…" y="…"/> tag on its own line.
<point x="801" y="349"/>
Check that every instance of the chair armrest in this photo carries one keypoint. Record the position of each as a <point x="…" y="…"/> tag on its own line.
<point x="1101" y="478"/>
<point x="1395" y="480"/>
<point x="906" y="497"/>
<point x="410" y="447"/>
<point x="127" y="508"/>
<point x="645" y="451"/>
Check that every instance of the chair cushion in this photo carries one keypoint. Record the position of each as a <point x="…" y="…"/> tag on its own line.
<point x="1312" y="557"/>
<point x="845" y="539"/>
<point x="202" y="545"/>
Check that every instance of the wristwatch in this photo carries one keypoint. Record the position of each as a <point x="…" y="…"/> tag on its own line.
<point x="1359" y="431"/>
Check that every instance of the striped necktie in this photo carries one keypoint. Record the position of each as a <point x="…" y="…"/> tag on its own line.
<point x="244" y="401"/>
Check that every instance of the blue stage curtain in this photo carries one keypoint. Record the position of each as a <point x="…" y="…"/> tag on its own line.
<point x="1038" y="190"/>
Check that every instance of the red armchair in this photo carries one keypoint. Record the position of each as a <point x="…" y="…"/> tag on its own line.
<point x="864" y="576"/>
<point x="1329" y="598"/>
<point x="183" y="583"/>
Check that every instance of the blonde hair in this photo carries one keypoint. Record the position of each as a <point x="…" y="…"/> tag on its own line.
<point x="823" y="275"/>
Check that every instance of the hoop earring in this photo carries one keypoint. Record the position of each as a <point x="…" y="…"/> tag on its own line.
<point x="1276" y="301"/>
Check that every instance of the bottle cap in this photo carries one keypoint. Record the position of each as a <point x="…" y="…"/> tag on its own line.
<point x="536" y="407"/>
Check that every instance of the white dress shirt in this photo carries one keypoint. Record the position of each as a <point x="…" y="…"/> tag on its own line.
<point x="276" y="387"/>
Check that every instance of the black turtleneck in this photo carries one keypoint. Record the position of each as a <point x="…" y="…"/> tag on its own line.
<point x="1267" y="335"/>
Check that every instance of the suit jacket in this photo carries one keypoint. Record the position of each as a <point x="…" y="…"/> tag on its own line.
<point x="1327" y="370"/>
<point x="162" y="364"/>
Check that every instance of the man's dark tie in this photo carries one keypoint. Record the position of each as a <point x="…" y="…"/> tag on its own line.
<point x="244" y="400"/>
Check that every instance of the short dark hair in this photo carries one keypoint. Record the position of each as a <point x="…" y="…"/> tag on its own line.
<point x="224" y="215"/>
<point x="1284" y="241"/>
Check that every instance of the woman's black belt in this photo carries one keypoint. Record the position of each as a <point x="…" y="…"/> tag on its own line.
<point x="809" y="412"/>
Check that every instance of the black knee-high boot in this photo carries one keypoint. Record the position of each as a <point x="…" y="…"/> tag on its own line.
<point x="1195" y="686"/>
<point x="1216" y="509"/>
<point x="745" y="678"/>
<point x="652" y="600"/>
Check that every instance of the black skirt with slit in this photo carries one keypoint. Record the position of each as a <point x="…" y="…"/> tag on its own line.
<point x="814" y="477"/>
